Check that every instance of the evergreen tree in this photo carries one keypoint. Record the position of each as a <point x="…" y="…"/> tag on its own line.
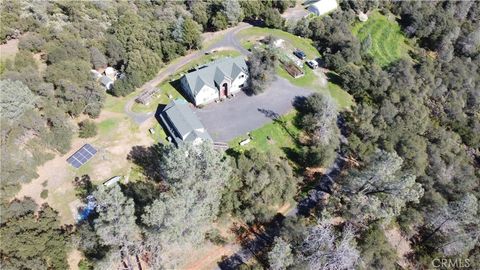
<point x="115" y="225"/>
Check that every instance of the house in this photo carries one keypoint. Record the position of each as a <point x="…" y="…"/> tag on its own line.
<point x="323" y="7"/>
<point x="106" y="82"/>
<point x="215" y="81"/>
<point x="181" y="124"/>
<point x="111" y="73"/>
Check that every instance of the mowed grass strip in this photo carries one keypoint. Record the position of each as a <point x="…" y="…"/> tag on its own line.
<point x="388" y="43"/>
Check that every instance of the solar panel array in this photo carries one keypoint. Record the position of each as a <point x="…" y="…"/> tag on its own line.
<point x="83" y="155"/>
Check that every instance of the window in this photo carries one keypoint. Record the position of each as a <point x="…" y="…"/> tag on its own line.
<point x="242" y="76"/>
<point x="241" y="85"/>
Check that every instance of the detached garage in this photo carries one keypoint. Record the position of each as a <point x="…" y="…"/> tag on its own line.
<point x="323" y="7"/>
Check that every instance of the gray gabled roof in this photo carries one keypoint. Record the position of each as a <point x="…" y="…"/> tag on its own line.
<point x="105" y="80"/>
<point x="213" y="73"/>
<point x="182" y="124"/>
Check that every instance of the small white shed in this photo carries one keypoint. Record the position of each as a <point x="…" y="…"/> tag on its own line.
<point x="323" y="7"/>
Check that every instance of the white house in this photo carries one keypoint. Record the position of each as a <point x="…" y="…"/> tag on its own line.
<point x="323" y="7"/>
<point x="215" y="81"/>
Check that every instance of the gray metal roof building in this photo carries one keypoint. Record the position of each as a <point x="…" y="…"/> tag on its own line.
<point x="181" y="124"/>
<point x="212" y="74"/>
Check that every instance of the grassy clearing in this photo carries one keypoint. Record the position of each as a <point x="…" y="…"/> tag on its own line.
<point x="159" y="136"/>
<point x="303" y="44"/>
<point x="166" y="90"/>
<point x="282" y="135"/>
<point x="116" y="104"/>
<point x="310" y="81"/>
<point x="106" y="126"/>
<point x="387" y="41"/>
<point x="61" y="202"/>
<point x="344" y="99"/>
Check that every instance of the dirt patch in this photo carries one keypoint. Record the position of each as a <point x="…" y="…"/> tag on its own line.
<point x="211" y="257"/>
<point x="295" y="13"/>
<point x="74" y="257"/>
<point x="9" y="49"/>
<point x="110" y="160"/>
<point x="321" y="77"/>
<point x="401" y="245"/>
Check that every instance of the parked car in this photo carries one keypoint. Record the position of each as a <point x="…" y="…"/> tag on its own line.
<point x="312" y="64"/>
<point x="300" y="54"/>
<point x="210" y="52"/>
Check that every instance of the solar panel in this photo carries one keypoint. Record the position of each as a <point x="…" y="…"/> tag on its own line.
<point x="90" y="149"/>
<point x="82" y="156"/>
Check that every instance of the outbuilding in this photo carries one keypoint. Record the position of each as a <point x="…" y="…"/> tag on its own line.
<point x="181" y="124"/>
<point x="323" y="7"/>
<point x="106" y="82"/>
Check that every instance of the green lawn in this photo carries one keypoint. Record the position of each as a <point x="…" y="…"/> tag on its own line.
<point x="310" y="80"/>
<point x="387" y="41"/>
<point x="283" y="135"/>
<point x="159" y="136"/>
<point x="166" y="89"/>
<point x="303" y="44"/>
<point x="106" y="126"/>
<point x="116" y="104"/>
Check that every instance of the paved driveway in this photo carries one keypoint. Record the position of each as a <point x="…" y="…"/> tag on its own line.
<point x="233" y="117"/>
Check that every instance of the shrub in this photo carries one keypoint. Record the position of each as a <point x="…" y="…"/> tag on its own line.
<point x="44" y="194"/>
<point x="87" y="129"/>
<point x="32" y="42"/>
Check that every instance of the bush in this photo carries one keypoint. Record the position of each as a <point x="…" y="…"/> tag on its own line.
<point x="87" y="129"/>
<point x="85" y="265"/>
<point x="32" y="42"/>
<point x="44" y="194"/>
<point x="215" y="237"/>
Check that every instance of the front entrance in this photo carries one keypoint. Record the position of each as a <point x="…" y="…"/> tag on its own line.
<point x="224" y="90"/>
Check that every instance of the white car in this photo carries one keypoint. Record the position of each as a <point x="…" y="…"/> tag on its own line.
<point x="312" y="64"/>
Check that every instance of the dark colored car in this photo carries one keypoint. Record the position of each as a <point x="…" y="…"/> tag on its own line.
<point x="300" y="54"/>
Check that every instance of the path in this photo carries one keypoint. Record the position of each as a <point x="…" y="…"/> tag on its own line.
<point x="228" y="41"/>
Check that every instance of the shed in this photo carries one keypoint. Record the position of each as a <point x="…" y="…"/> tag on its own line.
<point x="146" y="96"/>
<point x="110" y="72"/>
<point x="106" y="82"/>
<point x="323" y="7"/>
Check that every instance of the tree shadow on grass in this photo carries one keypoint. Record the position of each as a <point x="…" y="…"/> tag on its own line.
<point x="148" y="159"/>
<point x="334" y="78"/>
